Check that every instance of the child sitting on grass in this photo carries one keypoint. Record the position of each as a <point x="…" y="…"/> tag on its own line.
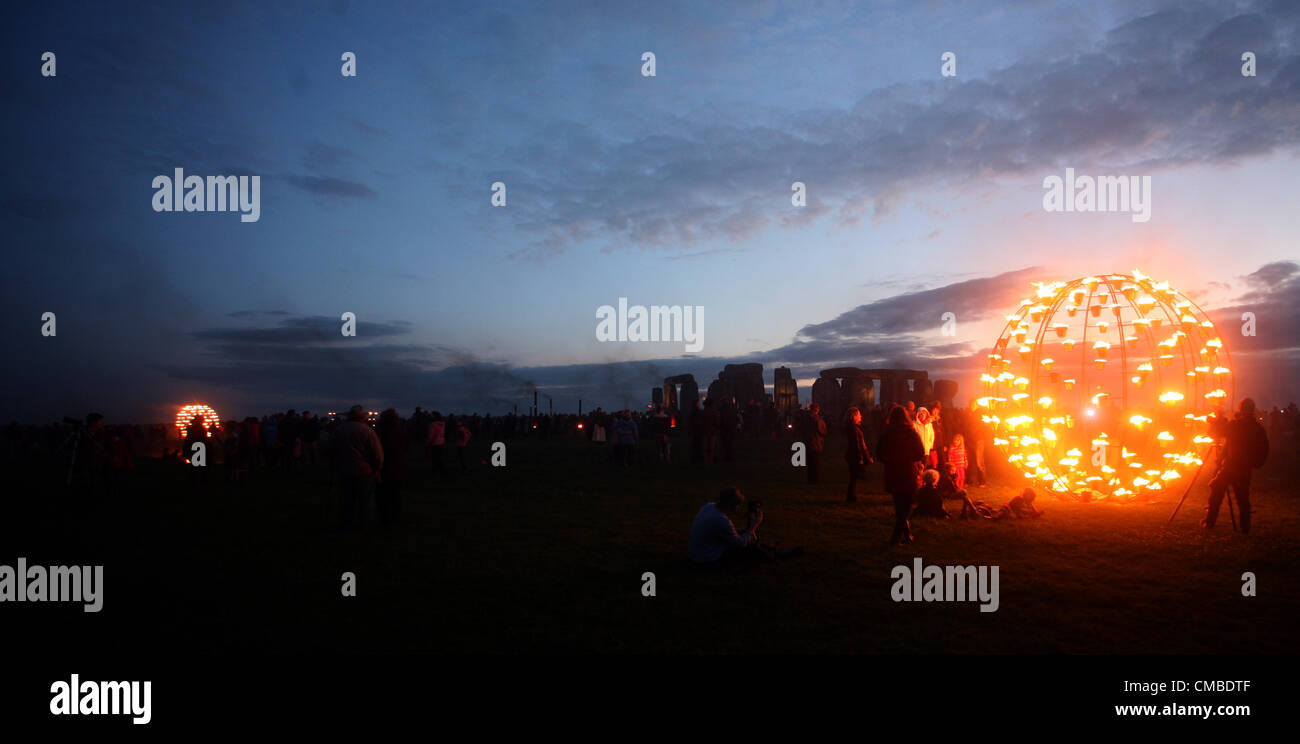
<point x="950" y="490"/>
<point x="929" y="500"/>
<point x="1021" y="507"/>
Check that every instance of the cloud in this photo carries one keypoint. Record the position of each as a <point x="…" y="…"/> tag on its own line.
<point x="322" y="157"/>
<point x="303" y="360"/>
<point x="1273" y="304"/>
<point x="1269" y="276"/>
<point x="272" y="360"/>
<point x="366" y="128"/>
<point x="255" y="313"/>
<point x="970" y="300"/>
<point x="42" y="208"/>
<point x="1266" y="365"/>
<point x="327" y="186"/>
<point x="316" y="329"/>
<point x="1162" y="90"/>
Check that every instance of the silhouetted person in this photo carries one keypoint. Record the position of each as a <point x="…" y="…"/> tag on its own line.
<point x="696" y="422"/>
<point x="753" y="419"/>
<point x="253" y="435"/>
<point x="89" y="454"/>
<point x="975" y="443"/>
<point x="1245" y="447"/>
<point x="121" y="459"/>
<point x="729" y="421"/>
<point x="359" y="457"/>
<point x="712" y="422"/>
<point x="942" y="435"/>
<point x="289" y="446"/>
<point x="270" y="432"/>
<point x="196" y="433"/>
<point x="625" y="435"/>
<point x="462" y="435"/>
<point x="659" y="428"/>
<point x="902" y="453"/>
<point x="929" y="501"/>
<point x="856" y="453"/>
<point x="393" y="440"/>
<point x="434" y="441"/>
<point x="815" y="437"/>
<point x="1021" y="507"/>
<point x="234" y="431"/>
<point x="309" y="434"/>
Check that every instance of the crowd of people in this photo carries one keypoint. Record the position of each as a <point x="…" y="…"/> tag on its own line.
<point x="928" y="454"/>
<point x="925" y="458"/>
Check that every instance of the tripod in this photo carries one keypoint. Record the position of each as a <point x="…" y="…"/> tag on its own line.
<point x="1230" y="494"/>
<point x="73" y="443"/>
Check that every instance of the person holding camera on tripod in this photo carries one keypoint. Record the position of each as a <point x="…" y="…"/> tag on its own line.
<point x="1245" y="447"/>
<point x="88" y="454"/>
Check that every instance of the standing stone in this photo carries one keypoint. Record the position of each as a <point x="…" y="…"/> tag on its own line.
<point x="689" y="395"/>
<point x="785" y="392"/>
<point x="922" y="392"/>
<point x="860" y="392"/>
<point x="826" y="393"/>
<point x="680" y="400"/>
<point x="717" y="392"/>
<point x="946" y="392"/>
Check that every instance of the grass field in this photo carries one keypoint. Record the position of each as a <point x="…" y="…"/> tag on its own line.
<point x="547" y="554"/>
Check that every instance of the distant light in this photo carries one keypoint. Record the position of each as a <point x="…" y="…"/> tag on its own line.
<point x="211" y="422"/>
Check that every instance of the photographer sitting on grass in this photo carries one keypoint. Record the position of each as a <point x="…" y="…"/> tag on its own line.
<point x="715" y="540"/>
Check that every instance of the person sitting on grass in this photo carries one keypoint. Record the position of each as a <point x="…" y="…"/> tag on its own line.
<point x="716" y="542"/>
<point x="714" y="538"/>
<point x="950" y="491"/>
<point x="1021" y="507"/>
<point x="929" y="499"/>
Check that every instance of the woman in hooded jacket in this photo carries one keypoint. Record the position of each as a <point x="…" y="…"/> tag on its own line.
<point x="925" y="429"/>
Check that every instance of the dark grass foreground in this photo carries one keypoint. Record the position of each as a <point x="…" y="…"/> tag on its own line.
<point x="547" y="554"/>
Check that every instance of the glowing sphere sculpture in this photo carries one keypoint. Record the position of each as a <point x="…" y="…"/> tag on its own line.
<point x="1104" y="387"/>
<point x="186" y="414"/>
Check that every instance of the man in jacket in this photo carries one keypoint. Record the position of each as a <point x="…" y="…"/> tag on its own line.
<point x="358" y="456"/>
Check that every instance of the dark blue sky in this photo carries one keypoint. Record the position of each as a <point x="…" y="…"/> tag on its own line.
<point x="924" y="192"/>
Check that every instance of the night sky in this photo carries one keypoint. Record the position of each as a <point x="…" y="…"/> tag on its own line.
<point x="924" y="192"/>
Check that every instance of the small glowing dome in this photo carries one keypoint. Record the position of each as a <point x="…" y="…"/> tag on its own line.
<point x="186" y="414"/>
